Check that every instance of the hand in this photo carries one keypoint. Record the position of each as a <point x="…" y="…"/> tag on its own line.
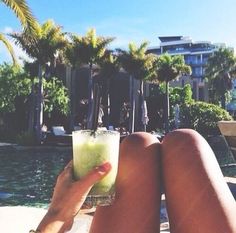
<point x="69" y="196"/>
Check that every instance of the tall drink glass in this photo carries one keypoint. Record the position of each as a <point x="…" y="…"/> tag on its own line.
<point x="91" y="149"/>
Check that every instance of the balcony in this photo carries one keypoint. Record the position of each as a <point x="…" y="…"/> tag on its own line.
<point x="177" y="51"/>
<point x="195" y="63"/>
<point x="202" y="49"/>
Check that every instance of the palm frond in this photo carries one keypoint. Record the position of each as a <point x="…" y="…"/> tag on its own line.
<point x="23" y="13"/>
<point x="9" y="48"/>
<point x="171" y="67"/>
<point x="137" y="62"/>
<point x="132" y="48"/>
<point x="42" y="45"/>
<point x="88" y="49"/>
<point x="109" y="64"/>
<point x="222" y="60"/>
<point x="142" y="48"/>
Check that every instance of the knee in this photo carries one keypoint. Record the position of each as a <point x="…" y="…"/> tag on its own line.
<point x="183" y="140"/>
<point x="139" y="152"/>
<point x="182" y="137"/>
<point x="141" y="139"/>
<point x="137" y="143"/>
<point x="139" y="149"/>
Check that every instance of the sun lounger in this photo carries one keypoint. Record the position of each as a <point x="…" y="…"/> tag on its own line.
<point x="58" y="130"/>
<point x="228" y="130"/>
<point x="59" y="136"/>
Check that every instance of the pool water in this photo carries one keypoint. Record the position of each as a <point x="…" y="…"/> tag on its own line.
<point x="28" y="175"/>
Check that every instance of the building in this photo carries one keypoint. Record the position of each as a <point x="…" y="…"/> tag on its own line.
<point x="195" y="55"/>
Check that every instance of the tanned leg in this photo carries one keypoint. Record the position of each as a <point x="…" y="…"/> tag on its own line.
<point x="198" y="198"/>
<point x="137" y="205"/>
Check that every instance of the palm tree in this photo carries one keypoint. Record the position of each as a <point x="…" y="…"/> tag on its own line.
<point x="218" y="70"/>
<point x="140" y="66"/>
<point x="170" y="68"/>
<point x="42" y="46"/>
<point x="23" y="13"/>
<point x="148" y="72"/>
<point x="88" y="50"/>
<point x="9" y="47"/>
<point x="109" y="66"/>
<point x="71" y="57"/>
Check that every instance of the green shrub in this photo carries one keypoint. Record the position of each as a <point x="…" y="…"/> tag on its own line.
<point x="202" y="117"/>
<point x="25" y="139"/>
<point x="181" y="95"/>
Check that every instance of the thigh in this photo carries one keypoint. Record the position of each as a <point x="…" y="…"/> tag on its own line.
<point x="198" y="198"/>
<point x="137" y="204"/>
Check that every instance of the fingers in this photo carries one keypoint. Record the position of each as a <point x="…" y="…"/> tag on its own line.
<point x="67" y="173"/>
<point x="96" y="174"/>
<point x="68" y="170"/>
<point x="87" y="181"/>
<point x="68" y="166"/>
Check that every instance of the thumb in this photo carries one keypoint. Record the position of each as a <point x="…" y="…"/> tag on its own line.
<point x="96" y="174"/>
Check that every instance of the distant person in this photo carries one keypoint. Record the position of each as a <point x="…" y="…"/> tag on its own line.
<point x="197" y="196"/>
<point x="44" y="130"/>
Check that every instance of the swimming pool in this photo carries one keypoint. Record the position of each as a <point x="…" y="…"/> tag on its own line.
<point x="28" y="175"/>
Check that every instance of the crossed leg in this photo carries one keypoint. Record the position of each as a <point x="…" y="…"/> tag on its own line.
<point x="198" y="199"/>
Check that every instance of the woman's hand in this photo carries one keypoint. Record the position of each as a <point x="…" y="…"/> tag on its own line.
<point x="68" y="197"/>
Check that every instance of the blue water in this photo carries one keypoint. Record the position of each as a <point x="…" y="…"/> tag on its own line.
<point x="28" y="175"/>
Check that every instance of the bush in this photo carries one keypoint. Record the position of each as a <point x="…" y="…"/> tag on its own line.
<point x="181" y="95"/>
<point x="202" y="117"/>
<point x="26" y="139"/>
<point x="7" y="135"/>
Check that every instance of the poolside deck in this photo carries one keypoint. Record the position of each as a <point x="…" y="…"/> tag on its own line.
<point x="27" y="218"/>
<point x="21" y="219"/>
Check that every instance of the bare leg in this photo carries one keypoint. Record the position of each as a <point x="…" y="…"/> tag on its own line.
<point x="198" y="198"/>
<point x="137" y="204"/>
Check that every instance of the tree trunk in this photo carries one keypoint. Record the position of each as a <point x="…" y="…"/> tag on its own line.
<point x="72" y="99"/>
<point x="223" y="101"/>
<point x="141" y="107"/>
<point x="31" y="109"/>
<point x="132" y="104"/>
<point x="167" y="109"/>
<point x="39" y="107"/>
<point x="90" y="97"/>
<point x="106" y="103"/>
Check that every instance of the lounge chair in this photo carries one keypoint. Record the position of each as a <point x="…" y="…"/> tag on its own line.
<point x="228" y="130"/>
<point x="59" y="136"/>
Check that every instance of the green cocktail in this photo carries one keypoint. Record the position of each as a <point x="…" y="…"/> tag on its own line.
<point x="91" y="150"/>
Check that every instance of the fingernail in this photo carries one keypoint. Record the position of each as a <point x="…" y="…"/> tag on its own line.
<point x="104" y="167"/>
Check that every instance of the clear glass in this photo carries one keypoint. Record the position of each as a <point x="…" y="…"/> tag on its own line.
<point x="93" y="149"/>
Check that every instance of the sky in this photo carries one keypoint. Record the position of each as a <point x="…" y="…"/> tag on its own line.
<point x="132" y="20"/>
